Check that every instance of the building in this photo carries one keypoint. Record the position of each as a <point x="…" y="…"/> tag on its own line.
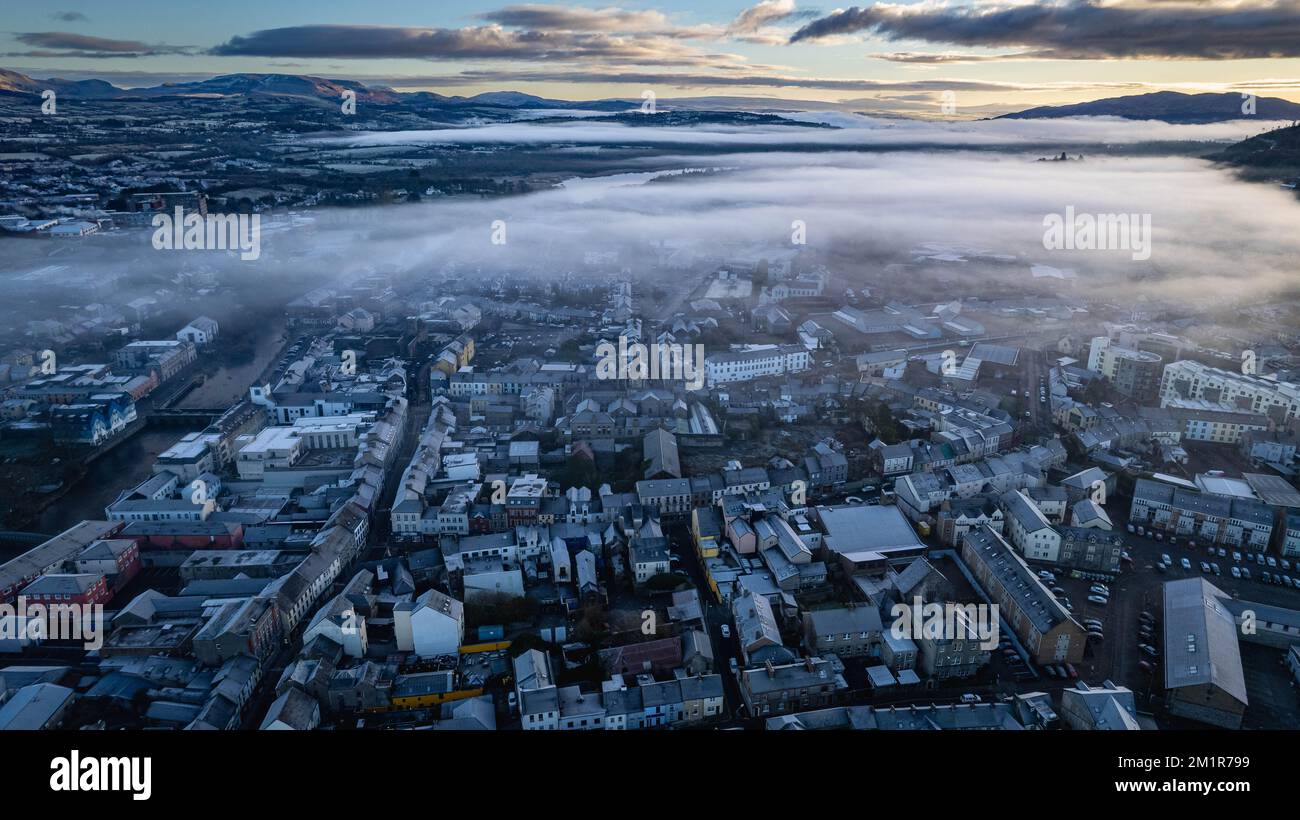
<point x="659" y="451"/>
<point x="1099" y="708"/>
<point x="50" y="555"/>
<point x="1135" y="374"/>
<point x="1206" y="517"/>
<point x="1204" y="679"/>
<point x="201" y="332"/>
<point x="845" y="631"/>
<point x="538" y="696"/>
<point x="772" y="690"/>
<point x="38" y="706"/>
<point x="1046" y="628"/>
<point x="864" y="537"/>
<point x="1029" y="529"/>
<point x="1187" y="379"/>
<point x="755" y="363"/>
<point x="431" y="625"/>
<point x="82" y="589"/>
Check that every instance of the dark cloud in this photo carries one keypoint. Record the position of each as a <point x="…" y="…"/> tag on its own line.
<point x="478" y="42"/>
<point x="68" y="44"/>
<point x="1081" y="30"/>
<point x="69" y="16"/>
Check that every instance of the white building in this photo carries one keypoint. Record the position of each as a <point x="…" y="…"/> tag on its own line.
<point x="200" y="332"/>
<point x="1258" y="394"/>
<point x="431" y="625"/>
<point x="1029" y="529"/>
<point x="755" y="363"/>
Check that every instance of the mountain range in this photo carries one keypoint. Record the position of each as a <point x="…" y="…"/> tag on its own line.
<point x="1167" y="106"/>
<point x="1171" y="107"/>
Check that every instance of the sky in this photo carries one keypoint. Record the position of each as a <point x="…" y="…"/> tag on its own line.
<point x="989" y="55"/>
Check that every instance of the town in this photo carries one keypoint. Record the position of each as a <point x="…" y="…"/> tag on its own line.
<point x="421" y="502"/>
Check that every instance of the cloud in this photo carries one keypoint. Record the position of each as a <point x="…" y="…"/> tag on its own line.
<point x="474" y="43"/>
<point x="539" y="17"/>
<point x="766" y="12"/>
<point x="68" y="16"/>
<point x="68" y="44"/>
<point x="688" y="80"/>
<point x="1084" y="30"/>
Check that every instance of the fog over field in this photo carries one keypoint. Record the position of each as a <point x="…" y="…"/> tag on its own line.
<point x="980" y="212"/>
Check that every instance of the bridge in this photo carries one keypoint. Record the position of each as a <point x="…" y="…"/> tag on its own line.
<point x="189" y="417"/>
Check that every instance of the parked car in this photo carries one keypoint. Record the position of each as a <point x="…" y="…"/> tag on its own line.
<point x="1145" y="666"/>
<point x="1071" y="671"/>
<point x="1096" y="635"/>
<point x="1046" y="576"/>
<point x="1236" y="573"/>
<point x="1164" y="557"/>
<point x="1205" y="568"/>
<point x="1100" y="589"/>
<point x="1272" y="562"/>
<point x="1286" y="565"/>
<point x="1266" y="577"/>
<point x="1215" y="569"/>
<point x="725" y="630"/>
<point x="735" y="667"/>
<point x="1097" y="599"/>
<point x="1187" y="565"/>
<point x="1091" y="622"/>
<point x="970" y="698"/>
<point x="1236" y="556"/>
<point x="1245" y="573"/>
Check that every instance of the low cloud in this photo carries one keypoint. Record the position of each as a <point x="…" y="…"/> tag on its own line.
<point x="68" y="44"/>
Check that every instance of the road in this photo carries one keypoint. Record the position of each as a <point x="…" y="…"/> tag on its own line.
<point x="715" y="615"/>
